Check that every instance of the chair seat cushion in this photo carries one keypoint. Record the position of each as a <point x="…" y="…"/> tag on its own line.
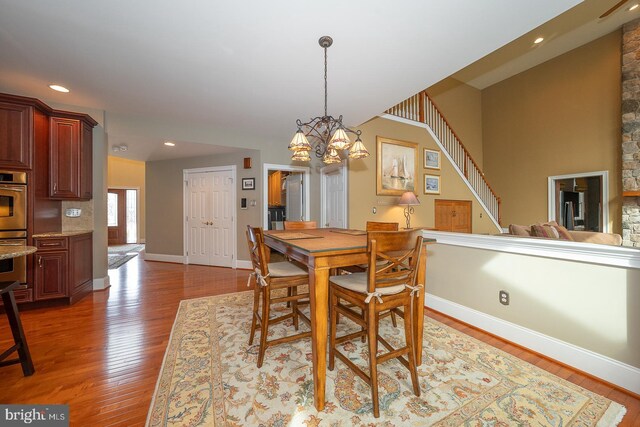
<point x="357" y="282"/>
<point x="285" y="269"/>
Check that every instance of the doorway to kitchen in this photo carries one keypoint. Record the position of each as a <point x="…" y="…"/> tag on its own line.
<point x="580" y="201"/>
<point x="286" y="194"/>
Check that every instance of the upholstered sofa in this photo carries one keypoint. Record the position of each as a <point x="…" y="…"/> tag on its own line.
<point x="544" y="230"/>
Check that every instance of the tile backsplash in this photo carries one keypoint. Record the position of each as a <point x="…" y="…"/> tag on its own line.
<point x="83" y="222"/>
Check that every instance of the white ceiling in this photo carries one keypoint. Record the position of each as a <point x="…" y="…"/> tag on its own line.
<point x="251" y="65"/>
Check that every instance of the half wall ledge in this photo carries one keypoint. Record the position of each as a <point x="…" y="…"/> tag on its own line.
<point x="615" y="256"/>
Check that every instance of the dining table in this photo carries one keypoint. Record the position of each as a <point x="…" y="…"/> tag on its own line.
<point x="323" y="250"/>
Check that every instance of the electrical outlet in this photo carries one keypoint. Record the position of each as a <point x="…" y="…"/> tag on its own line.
<point x="374" y="210"/>
<point x="504" y="297"/>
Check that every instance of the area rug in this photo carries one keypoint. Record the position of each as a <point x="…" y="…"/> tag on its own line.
<point x="209" y="377"/>
<point x="123" y="249"/>
<point x="117" y="260"/>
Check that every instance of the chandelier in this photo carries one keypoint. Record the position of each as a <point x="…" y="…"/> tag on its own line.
<point x="326" y="135"/>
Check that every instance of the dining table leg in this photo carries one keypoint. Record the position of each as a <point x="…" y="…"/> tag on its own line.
<point x="319" y="302"/>
<point x="418" y="306"/>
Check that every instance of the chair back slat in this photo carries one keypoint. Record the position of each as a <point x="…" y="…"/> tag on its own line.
<point x="299" y="225"/>
<point x="399" y="252"/>
<point x="382" y="226"/>
<point x="257" y="250"/>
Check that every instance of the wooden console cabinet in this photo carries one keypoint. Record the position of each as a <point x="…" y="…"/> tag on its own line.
<point x="63" y="267"/>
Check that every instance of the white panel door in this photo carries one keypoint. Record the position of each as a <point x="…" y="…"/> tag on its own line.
<point x="294" y="186"/>
<point x="199" y="186"/>
<point x="335" y="198"/>
<point x="210" y="218"/>
<point x="222" y="219"/>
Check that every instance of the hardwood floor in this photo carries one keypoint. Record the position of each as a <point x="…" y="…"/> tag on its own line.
<point x="102" y="355"/>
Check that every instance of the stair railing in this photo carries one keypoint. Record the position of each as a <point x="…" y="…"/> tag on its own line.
<point x="420" y="108"/>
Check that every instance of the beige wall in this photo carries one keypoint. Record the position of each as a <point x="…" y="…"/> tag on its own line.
<point x="125" y="173"/>
<point x="559" y="298"/>
<point x="560" y="117"/>
<point x="362" y="182"/>
<point x="461" y="104"/>
<point x="164" y="200"/>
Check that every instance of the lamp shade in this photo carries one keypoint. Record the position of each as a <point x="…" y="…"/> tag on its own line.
<point x="301" y="156"/>
<point x="358" y="150"/>
<point x="409" y="199"/>
<point x="299" y="142"/>
<point x="340" y="140"/>
<point x="331" y="156"/>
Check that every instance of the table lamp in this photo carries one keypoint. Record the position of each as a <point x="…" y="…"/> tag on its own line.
<point x="409" y="200"/>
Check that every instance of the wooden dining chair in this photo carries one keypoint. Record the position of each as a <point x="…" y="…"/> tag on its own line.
<point x="299" y="225"/>
<point x="270" y="277"/>
<point x="380" y="288"/>
<point x="382" y="226"/>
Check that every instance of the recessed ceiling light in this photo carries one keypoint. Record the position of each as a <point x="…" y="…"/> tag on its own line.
<point x="539" y="40"/>
<point x="634" y="7"/>
<point x="170" y="144"/>
<point x="59" y="88"/>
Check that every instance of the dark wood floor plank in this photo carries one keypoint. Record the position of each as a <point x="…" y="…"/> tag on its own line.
<point x="102" y="355"/>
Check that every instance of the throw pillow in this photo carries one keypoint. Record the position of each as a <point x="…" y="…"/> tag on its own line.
<point x="544" y="231"/>
<point x="563" y="233"/>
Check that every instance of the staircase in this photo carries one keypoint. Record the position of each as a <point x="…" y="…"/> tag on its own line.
<point x="420" y="108"/>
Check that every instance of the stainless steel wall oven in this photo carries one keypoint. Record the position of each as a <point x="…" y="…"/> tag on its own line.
<point x="13" y="200"/>
<point x="13" y="222"/>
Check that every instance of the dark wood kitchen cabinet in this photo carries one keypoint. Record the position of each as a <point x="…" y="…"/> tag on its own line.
<point x="51" y="275"/>
<point x="70" y="158"/>
<point x="63" y="266"/>
<point x="15" y="136"/>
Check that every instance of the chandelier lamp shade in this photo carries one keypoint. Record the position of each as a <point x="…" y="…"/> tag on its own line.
<point x="325" y="135"/>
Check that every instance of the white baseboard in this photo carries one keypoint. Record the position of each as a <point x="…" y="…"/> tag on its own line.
<point x="101" y="283"/>
<point x="611" y="370"/>
<point x="164" y="258"/>
<point x="241" y="263"/>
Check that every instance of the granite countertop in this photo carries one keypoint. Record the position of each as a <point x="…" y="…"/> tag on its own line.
<point x="61" y="233"/>
<point x="14" y="251"/>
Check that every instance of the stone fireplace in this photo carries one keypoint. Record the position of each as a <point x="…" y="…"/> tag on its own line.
<point x="631" y="134"/>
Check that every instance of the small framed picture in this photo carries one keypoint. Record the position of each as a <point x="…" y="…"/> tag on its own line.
<point x="431" y="159"/>
<point x="248" y="183"/>
<point x="431" y="184"/>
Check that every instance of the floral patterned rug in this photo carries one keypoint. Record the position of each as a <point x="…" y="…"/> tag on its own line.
<point x="209" y="377"/>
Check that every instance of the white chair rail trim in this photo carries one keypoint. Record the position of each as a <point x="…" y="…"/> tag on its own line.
<point x="616" y="256"/>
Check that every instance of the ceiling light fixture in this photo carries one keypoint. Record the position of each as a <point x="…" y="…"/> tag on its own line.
<point x="539" y="40"/>
<point x="328" y="135"/>
<point x="170" y="144"/>
<point x="634" y="7"/>
<point x="59" y="88"/>
<point x="121" y="147"/>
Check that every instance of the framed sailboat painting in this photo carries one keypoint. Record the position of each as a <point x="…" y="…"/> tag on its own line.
<point x="396" y="166"/>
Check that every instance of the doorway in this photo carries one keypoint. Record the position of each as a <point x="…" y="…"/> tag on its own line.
<point x="209" y="205"/>
<point x="334" y="195"/>
<point x="285" y="194"/>
<point x="122" y="216"/>
<point x="580" y="201"/>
